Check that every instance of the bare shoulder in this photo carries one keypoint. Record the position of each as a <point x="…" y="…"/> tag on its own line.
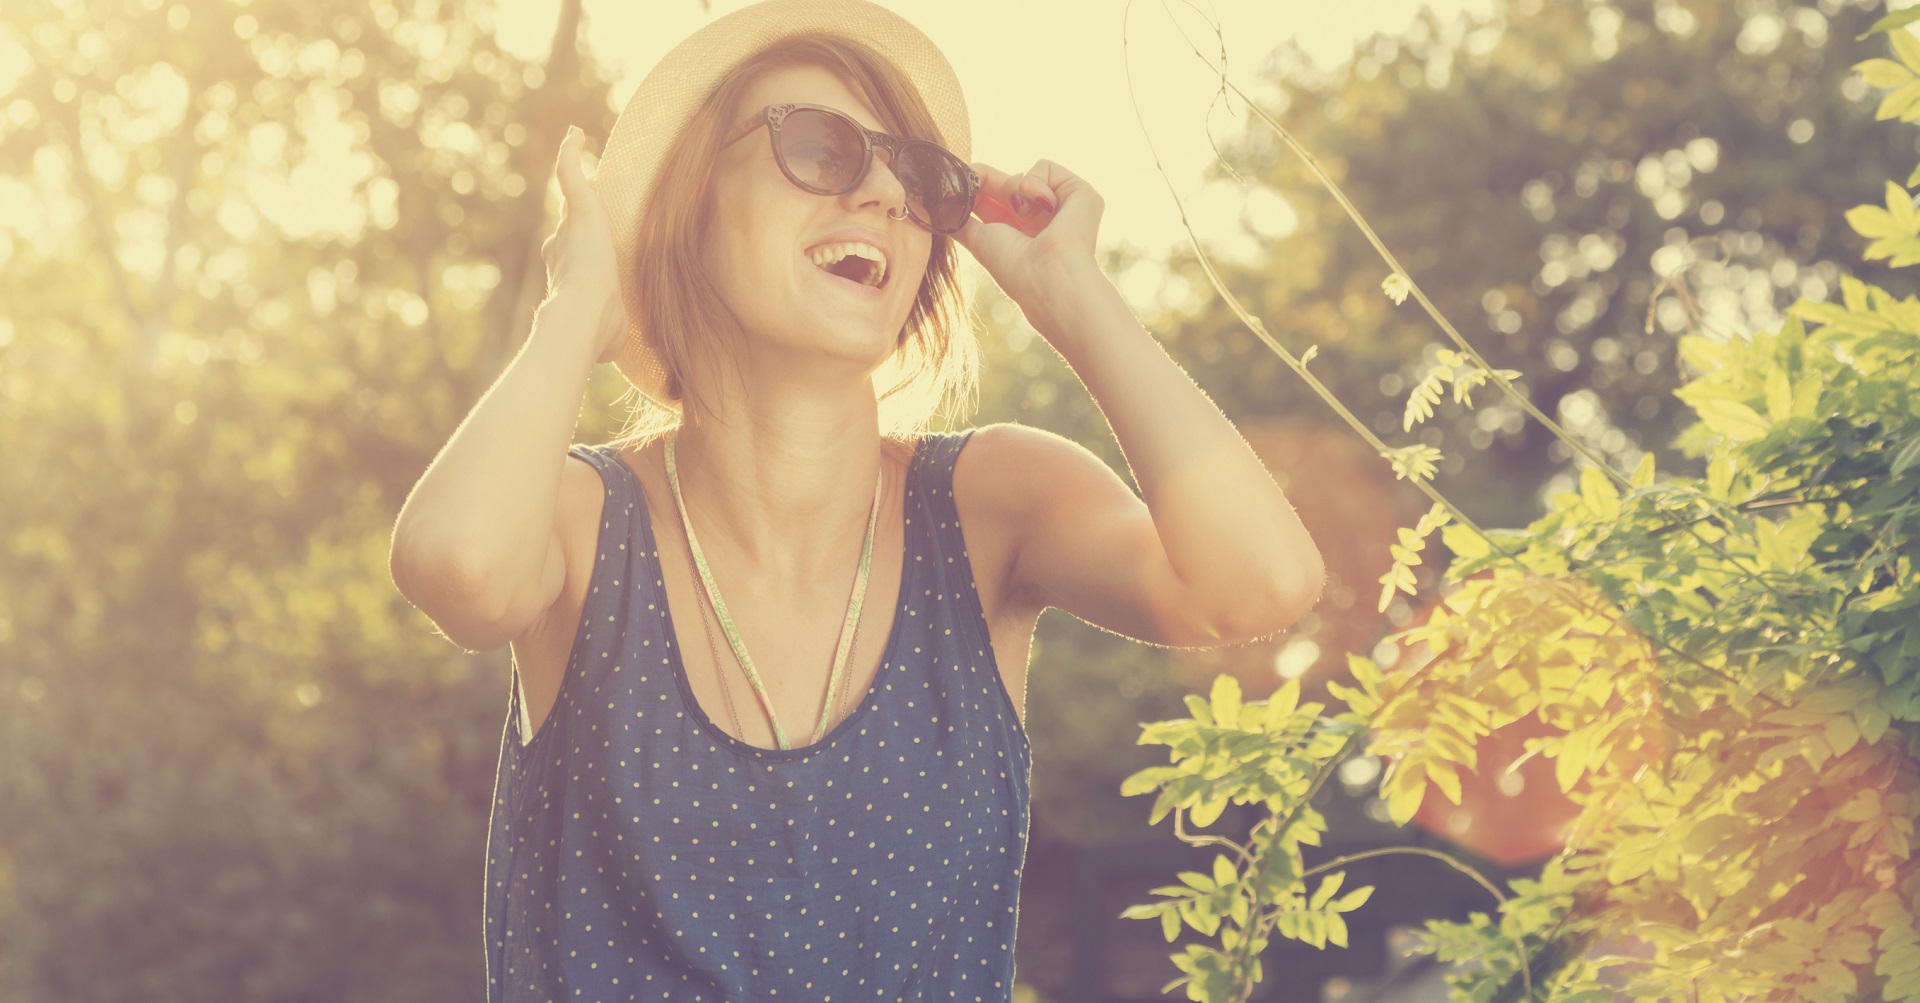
<point x="999" y="485"/>
<point x="1007" y="468"/>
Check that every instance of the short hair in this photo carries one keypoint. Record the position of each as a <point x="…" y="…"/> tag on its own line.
<point x="936" y="357"/>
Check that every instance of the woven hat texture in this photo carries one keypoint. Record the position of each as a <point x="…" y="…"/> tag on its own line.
<point x="682" y="80"/>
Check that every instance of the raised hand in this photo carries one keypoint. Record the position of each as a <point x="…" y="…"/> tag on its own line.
<point x="579" y="254"/>
<point x="1033" y="231"/>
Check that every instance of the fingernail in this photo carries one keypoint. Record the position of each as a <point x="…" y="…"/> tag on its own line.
<point x="1046" y="204"/>
<point x="1019" y="204"/>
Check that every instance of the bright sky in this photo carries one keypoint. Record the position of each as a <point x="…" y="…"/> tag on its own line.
<point x="1050" y="81"/>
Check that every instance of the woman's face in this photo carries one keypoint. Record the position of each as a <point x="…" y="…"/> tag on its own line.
<point x="763" y="228"/>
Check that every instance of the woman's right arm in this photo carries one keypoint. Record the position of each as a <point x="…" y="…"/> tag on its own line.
<point x="477" y="544"/>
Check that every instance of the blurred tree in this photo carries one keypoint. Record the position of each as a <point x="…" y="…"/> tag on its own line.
<point x="1540" y="172"/>
<point x="258" y="259"/>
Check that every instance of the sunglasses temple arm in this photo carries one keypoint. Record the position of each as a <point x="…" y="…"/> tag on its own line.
<point x="744" y="129"/>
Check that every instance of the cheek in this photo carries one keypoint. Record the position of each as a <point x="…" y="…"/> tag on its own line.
<point x="925" y="257"/>
<point x="735" y="262"/>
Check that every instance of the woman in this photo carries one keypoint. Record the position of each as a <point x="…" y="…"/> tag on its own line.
<point x="820" y="791"/>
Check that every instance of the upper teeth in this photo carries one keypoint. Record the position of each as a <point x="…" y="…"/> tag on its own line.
<point x="827" y="254"/>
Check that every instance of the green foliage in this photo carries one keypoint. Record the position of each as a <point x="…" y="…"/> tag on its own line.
<point x="1448" y="367"/>
<point x="1406" y="554"/>
<point x="1542" y="175"/>
<point x="1732" y="661"/>
<point x="1273" y="753"/>
<point x="236" y="764"/>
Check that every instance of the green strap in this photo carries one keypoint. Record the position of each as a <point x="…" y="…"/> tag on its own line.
<point x="836" y="677"/>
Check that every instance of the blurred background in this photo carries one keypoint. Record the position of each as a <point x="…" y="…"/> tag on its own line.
<point x="259" y="257"/>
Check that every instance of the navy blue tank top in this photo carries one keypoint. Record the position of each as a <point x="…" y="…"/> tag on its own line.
<point x="638" y="852"/>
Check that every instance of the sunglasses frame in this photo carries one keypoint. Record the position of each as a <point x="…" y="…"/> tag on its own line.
<point x="773" y="115"/>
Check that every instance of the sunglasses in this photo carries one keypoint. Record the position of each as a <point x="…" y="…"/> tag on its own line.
<point x="823" y="151"/>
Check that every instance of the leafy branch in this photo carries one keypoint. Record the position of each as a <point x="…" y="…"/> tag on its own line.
<point x="1751" y="825"/>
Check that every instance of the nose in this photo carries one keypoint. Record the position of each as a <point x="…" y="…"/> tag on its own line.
<point x="881" y="186"/>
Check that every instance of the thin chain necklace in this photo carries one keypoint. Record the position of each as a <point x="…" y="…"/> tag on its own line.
<point x="837" y="676"/>
<point x="726" y="688"/>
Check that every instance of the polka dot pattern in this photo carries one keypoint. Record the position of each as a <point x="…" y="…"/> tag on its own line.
<point x="638" y="852"/>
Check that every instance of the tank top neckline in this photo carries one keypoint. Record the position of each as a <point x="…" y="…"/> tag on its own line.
<point x="650" y="553"/>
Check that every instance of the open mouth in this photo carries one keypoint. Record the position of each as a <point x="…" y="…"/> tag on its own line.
<point x="857" y="263"/>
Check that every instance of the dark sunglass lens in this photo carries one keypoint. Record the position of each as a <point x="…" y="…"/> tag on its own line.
<point x="936" y="184"/>
<point x="820" y="149"/>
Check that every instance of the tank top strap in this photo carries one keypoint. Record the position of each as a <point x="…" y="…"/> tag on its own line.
<point x="622" y="546"/>
<point x="625" y="547"/>
<point x="934" y="475"/>
<point x="626" y="572"/>
<point x="615" y="475"/>
<point x="951" y="565"/>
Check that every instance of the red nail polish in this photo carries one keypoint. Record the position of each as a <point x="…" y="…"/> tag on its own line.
<point x="1046" y="204"/>
<point x="1019" y="204"/>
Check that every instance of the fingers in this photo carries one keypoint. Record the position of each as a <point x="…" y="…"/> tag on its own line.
<point x="1013" y="199"/>
<point x="567" y="166"/>
<point x="987" y="204"/>
<point x="1029" y="200"/>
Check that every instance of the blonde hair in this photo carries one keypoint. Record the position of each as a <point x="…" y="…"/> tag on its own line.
<point x="936" y="358"/>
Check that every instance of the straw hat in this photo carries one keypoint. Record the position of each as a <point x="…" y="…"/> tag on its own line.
<point x="685" y="76"/>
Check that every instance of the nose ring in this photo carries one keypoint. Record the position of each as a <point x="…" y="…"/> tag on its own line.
<point x="903" y="214"/>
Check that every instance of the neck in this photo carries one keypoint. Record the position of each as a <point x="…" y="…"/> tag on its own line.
<point x="783" y="481"/>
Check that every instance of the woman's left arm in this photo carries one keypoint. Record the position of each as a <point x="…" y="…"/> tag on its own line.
<point x="1216" y="554"/>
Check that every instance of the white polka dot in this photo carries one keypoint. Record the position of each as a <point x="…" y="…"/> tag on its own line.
<point x="590" y="899"/>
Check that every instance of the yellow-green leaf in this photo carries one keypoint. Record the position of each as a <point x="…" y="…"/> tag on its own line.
<point x="1907" y="48"/>
<point x="1883" y="73"/>
<point x="1225" y="700"/>
<point x="1842" y="734"/>
<point x="1196" y="881"/>
<point x="1642" y="473"/>
<point x="1404" y="792"/>
<point x="1873" y="720"/>
<point x="1720" y="472"/>
<point x="1900" y="205"/>
<point x="1571" y="761"/>
<point x="1467" y="543"/>
<point x="1281" y="705"/>
<point x="1328" y="886"/>
<point x="1779" y="395"/>
<point x="1865" y="805"/>
<point x="1897" y="102"/>
<point x="1417" y="462"/>
<point x="1364" y="671"/>
<point x="1223" y="872"/>
<point x="1898" y="961"/>
<point x="1598" y="493"/>
<point x="1892" y="22"/>
<point x="1422" y="398"/>
<point x="1397" y="286"/>
<point x="1352" y="900"/>
<point x="1732" y="419"/>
